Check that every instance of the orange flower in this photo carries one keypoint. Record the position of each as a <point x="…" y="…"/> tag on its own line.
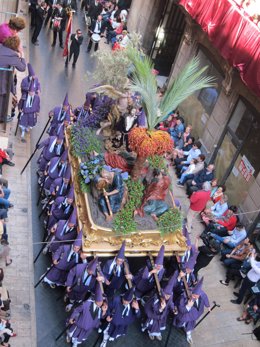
<point x="149" y="142"/>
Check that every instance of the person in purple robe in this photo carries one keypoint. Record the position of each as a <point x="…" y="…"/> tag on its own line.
<point x="114" y="273"/>
<point x="144" y="279"/>
<point x="157" y="310"/>
<point x="26" y="81"/>
<point x="29" y="112"/>
<point x="64" y="232"/>
<point x="63" y="260"/>
<point x="82" y="112"/>
<point x="61" y="185"/>
<point x="122" y="311"/>
<point x="86" y="318"/>
<point x="51" y="147"/>
<point x="81" y="282"/>
<point x="61" y="208"/>
<point x="190" y="310"/>
<point x="58" y="115"/>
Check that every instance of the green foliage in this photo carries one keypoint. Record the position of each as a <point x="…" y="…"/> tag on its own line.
<point x="170" y="221"/>
<point x="190" y="79"/>
<point x="84" y="141"/>
<point x="157" y="162"/>
<point x="124" y="222"/>
<point x="84" y="187"/>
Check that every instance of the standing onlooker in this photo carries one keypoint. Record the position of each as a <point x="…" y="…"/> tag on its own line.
<point x="198" y="201"/>
<point x="39" y="19"/>
<point x="76" y="42"/>
<point x="59" y="23"/>
<point x="95" y="29"/>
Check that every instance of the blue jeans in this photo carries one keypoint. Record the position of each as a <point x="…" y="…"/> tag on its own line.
<point x="3" y="201"/>
<point x="7" y="192"/>
<point x="221" y="240"/>
<point x="184" y="178"/>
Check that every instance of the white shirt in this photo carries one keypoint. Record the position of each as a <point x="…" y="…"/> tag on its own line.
<point x="254" y="274"/>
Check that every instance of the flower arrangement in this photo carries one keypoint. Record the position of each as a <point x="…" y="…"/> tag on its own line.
<point x="84" y="141"/>
<point x="170" y="221"/>
<point x="124" y="222"/>
<point x="157" y="162"/>
<point x="88" y="170"/>
<point x="149" y="142"/>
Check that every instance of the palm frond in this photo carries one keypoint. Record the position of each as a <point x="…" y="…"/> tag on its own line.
<point x="187" y="82"/>
<point x="144" y="82"/>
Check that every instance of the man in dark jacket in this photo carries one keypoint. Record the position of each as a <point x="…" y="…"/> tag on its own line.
<point x="39" y="19"/>
<point x="97" y="27"/>
<point x="76" y="42"/>
<point x="59" y="24"/>
<point x="205" y="175"/>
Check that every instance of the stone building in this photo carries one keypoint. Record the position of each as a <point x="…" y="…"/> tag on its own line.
<point x="225" y="118"/>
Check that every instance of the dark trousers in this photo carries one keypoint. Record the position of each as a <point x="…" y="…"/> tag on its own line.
<point x="55" y="32"/>
<point x="90" y="45"/>
<point x="246" y="285"/>
<point x="33" y="13"/>
<point x="49" y="14"/>
<point x="5" y="161"/>
<point x="75" y="57"/>
<point x="37" y="30"/>
<point x="6" y="336"/>
<point x="232" y="273"/>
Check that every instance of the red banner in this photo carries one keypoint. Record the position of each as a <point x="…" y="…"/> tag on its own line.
<point x="68" y="31"/>
<point x="234" y="34"/>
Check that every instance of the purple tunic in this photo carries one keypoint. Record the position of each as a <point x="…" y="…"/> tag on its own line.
<point x="187" y="319"/>
<point x="86" y="320"/>
<point x="50" y="150"/>
<point x="80" y="113"/>
<point x="60" y="210"/>
<point x="114" y="276"/>
<point x="145" y="284"/>
<point x="58" y="116"/>
<point x="63" y="233"/>
<point x="25" y="86"/>
<point x="59" y="187"/>
<point x="156" y="320"/>
<point x="28" y="116"/>
<point x="55" y="170"/>
<point x="59" y="272"/>
<point x="120" y="322"/>
<point x="85" y="282"/>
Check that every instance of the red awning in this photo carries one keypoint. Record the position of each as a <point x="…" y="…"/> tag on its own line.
<point x="235" y="36"/>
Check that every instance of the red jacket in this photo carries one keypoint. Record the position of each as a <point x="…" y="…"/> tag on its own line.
<point x="3" y="155"/>
<point x="198" y="200"/>
<point x="229" y="223"/>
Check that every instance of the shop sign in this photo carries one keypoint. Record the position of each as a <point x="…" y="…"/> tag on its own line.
<point x="245" y="168"/>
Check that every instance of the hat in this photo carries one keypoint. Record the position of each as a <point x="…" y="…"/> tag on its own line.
<point x="31" y="87"/>
<point x="191" y="261"/>
<point x="93" y="265"/>
<point x="64" y="155"/>
<point x="67" y="173"/>
<point x="169" y="287"/>
<point x="66" y="100"/>
<point x="198" y="288"/>
<point x="78" y="241"/>
<point x="98" y="293"/>
<point x="30" y="70"/>
<point x="121" y="253"/>
<point x="128" y="296"/>
<point x="73" y="217"/>
<point x="70" y="194"/>
<point x="160" y="256"/>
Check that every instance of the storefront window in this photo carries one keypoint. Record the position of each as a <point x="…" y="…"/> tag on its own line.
<point x="197" y="108"/>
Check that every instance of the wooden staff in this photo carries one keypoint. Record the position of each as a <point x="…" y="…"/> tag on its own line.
<point x="127" y="272"/>
<point x="186" y="287"/>
<point x="107" y="202"/>
<point x="155" y="275"/>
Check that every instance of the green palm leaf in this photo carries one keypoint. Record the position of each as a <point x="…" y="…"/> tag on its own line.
<point x="144" y="82"/>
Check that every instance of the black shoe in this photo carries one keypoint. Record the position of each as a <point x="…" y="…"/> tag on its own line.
<point x="73" y="65"/>
<point x="61" y="46"/>
<point x="88" y="50"/>
<point x="53" y="45"/>
<point x="35" y="43"/>
<point x="10" y="163"/>
<point x="236" y="294"/>
<point x="235" y="302"/>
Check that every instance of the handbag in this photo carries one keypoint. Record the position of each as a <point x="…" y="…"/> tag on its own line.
<point x="56" y="24"/>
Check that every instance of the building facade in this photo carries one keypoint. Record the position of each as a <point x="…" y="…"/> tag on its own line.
<point x="225" y="118"/>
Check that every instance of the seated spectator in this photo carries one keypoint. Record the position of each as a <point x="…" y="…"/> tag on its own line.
<point x="236" y="236"/>
<point x="235" y="257"/>
<point x="217" y="190"/>
<point x="4" y="159"/>
<point x="4" y="196"/>
<point x="123" y="39"/>
<point x="117" y="30"/>
<point x="216" y="211"/>
<point x="6" y="332"/>
<point x="252" y="277"/>
<point x="199" y="165"/>
<point x="252" y="311"/>
<point x="12" y="28"/>
<point x="224" y="224"/>
<point x="193" y="153"/>
<point x="187" y="172"/>
<point x="184" y="138"/>
<point x="178" y="130"/>
<point x="205" y="175"/>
